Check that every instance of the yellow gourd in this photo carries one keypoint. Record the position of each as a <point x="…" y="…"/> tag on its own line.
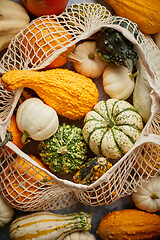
<point x="130" y="224"/>
<point x="145" y="13"/>
<point x="70" y="94"/>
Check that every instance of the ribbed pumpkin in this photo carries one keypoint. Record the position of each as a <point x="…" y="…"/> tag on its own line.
<point x="16" y="133"/>
<point x="42" y="38"/>
<point x="20" y="180"/>
<point x="112" y="128"/>
<point x="145" y="13"/>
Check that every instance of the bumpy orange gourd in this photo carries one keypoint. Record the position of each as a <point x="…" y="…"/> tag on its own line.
<point x="42" y="38"/>
<point x="70" y="94"/>
<point x="130" y="224"/>
<point x="145" y="13"/>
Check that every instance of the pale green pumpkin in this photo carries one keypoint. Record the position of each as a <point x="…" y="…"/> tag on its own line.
<point x="112" y="127"/>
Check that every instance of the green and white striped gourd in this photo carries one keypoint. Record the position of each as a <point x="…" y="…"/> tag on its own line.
<point x="48" y="226"/>
<point x="112" y="128"/>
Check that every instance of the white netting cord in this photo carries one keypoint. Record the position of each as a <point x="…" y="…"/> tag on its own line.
<point x="81" y="22"/>
<point x="28" y="188"/>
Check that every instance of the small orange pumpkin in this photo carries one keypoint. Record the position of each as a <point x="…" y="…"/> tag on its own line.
<point x="16" y="133"/>
<point x="21" y="181"/>
<point x="40" y="43"/>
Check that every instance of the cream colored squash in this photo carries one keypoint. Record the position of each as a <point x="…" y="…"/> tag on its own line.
<point x="48" y="226"/>
<point x="148" y="197"/>
<point x="81" y="235"/>
<point x="117" y="83"/>
<point x="112" y="128"/>
<point x="86" y="61"/>
<point x="6" y="212"/>
<point x="36" y="119"/>
<point x="13" y="17"/>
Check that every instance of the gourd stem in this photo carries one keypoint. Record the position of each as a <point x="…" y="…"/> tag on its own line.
<point x="62" y="150"/>
<point x="91" y="56"/>
<point x="131" y="76"/>
<point x="109" y="123"/>
<point x="8" y="137"/>
<point x="73" y="58"/>
<point x="24" y="137"/>
<point x="154" y="196"/>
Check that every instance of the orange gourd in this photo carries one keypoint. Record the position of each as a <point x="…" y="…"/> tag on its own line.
<point x="16" y="133"/>
<point x="20" y="180"/>
<point x="145" y="13"/>
<point x="130" y="224"/>
<point x="40" y="43"/>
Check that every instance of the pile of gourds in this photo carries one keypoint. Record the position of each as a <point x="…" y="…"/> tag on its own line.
<point x="110" y="128"/>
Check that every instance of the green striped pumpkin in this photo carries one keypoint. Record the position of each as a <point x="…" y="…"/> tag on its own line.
<point x="48" y="226"/>
<point x="112" y="128"/>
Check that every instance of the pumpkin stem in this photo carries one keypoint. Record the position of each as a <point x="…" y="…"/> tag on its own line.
<point x="154" y="196"/>
<point x="91" y="56"/>
<point x="109" y="123"/>
<point x="24" y="137"/>
<point x="73" y="58"/>
<point x="62" y="150"/>
<point x="131" y="76"/>
<point x="8" y="137"/>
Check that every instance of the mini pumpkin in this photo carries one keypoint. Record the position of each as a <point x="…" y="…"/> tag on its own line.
<point x="6" y="212"/>
<point x="42" y="38"/>
<point x="147" y="197"/>
<point x="112" y="128"/>
<point x="36" y="119"/>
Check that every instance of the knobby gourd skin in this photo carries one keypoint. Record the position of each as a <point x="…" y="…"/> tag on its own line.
<point x="130" y="224"/>
<point x="145" y="13"/>
<point x="70" y="94"/>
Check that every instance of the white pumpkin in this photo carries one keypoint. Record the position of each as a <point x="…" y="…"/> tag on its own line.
<point x="148" y="197"/>
<point x="36" y="119"/>
<point x="117" y="82"/>
<point x="86" y="61"/>
<point x="112" y="128"/>
<point x="6" y="212"/>
<point x="81" y="235"/>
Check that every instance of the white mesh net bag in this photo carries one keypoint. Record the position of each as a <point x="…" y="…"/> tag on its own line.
<point x="30" y="187"/>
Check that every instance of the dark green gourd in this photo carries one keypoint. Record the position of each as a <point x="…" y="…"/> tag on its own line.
<point x="91" y="170"/>
<point x="65" y="151"/>
<point x="114" y="48"/>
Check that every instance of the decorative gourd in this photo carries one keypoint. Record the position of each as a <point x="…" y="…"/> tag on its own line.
<point x="147" y="197"/>
<point x="91" y="170"/>
<point x="22" y="180"/>
<point x="16" y="133"/>
<point x="86" y="61"/>
<point x="36" y="119"/>
<point x="6" y="212"/>
<point x="71" y="95"/>
<point x="48" y="226"/>
<point x="112" y="128"/>
<point x="13" y="18"/>
<point x="145" y="13"/>
<point x="130" y="224"/>
<point x="83" y="235"/>
<point x="142" y="99"/>
<point x="117" y="83"/>
<point x="150" y="161"/>
<point x="43" y="44"/>
<point x="65" y="151"/>
<point x="114" y="48"/>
